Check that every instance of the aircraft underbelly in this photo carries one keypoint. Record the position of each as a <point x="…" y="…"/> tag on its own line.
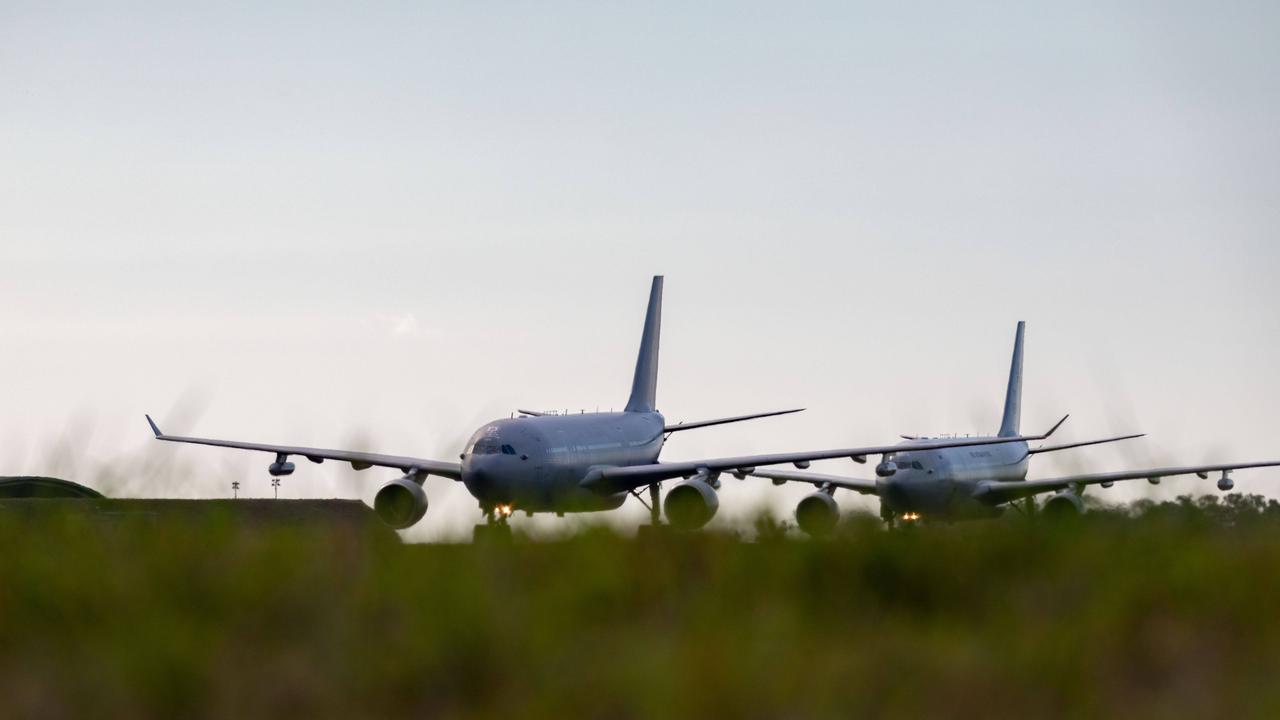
<point x="559" y="489"/>
<point x="916" y="496"/>
<point x="942" y="498"/>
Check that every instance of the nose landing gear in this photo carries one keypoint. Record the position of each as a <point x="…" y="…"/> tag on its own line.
<point x="496" y="526"/>
<point x="889" y="517"/>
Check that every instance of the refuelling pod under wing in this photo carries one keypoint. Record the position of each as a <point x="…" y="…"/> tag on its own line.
<point x="281" y="468"/>
<point x="691" y="505"/>
<point x="817" y="514"/>
<point x="401" y="503"/>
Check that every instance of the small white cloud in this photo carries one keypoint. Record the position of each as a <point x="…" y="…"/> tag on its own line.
<point x="402" y="326"/>
<point x="407" y="325"/>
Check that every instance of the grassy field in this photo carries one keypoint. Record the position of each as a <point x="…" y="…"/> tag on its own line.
<point x="1157" y="612"/>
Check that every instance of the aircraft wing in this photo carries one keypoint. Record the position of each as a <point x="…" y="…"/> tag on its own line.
<point x="610" y="480"/>
<point x="358" y="460"/>
<point x="996" y="492"/>
<point x="866" y="487"/>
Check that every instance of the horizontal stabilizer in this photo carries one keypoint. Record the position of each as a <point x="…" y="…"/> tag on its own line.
<point x="1087" y="443"/>
<point x="1045" y="436"/>
<point x="725" y="421"/>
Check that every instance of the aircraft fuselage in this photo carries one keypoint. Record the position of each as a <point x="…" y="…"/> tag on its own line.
<point x="536" y="464"/>
<point x="940" y="483"/>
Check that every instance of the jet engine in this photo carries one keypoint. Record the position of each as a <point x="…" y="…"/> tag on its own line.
<point x="401" y="503"/>
<point x="817" y="514"/>
<point x="691" y="505"/>
<point x="888" y="468"/>
<point x="1064" y="504"/>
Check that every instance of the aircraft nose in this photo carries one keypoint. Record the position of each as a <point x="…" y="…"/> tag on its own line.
<point x="478" y="477"/>
<point x="891" y="490"/>
<point x="480" y="466"/>
<point x="488" y="473"/>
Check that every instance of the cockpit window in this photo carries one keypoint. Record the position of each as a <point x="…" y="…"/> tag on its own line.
<point x="489" y="446"/>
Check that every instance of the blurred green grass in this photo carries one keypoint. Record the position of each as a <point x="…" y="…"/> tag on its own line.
<point x="1158" y="611"/>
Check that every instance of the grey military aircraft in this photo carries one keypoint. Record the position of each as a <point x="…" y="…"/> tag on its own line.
<point x="917" y="481"/>
<point x="554" y="463"/>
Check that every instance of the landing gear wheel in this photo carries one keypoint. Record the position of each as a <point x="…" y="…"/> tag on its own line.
<point x="890" y="519"/>
<point x="491" y="532"/>
<point x="651" y="533"/>
<point x="495" y="527"/>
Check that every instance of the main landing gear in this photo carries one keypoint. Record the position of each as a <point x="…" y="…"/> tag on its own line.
<point x="889" y="517"/>
<point x="655" y="526"/>
<point x="496" y="526"/>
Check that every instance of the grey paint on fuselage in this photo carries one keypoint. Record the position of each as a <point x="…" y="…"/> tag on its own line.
<point x="549" y="455"/>
<point x="941" y="482"/>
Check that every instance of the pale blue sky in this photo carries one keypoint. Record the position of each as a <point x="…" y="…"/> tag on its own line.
<point x="389" y="222"/>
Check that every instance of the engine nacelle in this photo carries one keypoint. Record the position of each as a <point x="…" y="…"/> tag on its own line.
<point x="1226" y="484"/>
<point x="281" y="468"/>
<point x="887" y="469"/>
<point x="401" y="503"/>
<point x="691" y="505"/>
<point x="1065" y="504"/>
<point x="817" y="514"/>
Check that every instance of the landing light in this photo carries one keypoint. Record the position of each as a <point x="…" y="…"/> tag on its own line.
<point x="505" y="510"/>
<point x="910" y="517"/>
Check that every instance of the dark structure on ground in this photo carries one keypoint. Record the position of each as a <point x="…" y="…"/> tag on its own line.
<point x="44" y="487"/>
<point x="339" y="516"/>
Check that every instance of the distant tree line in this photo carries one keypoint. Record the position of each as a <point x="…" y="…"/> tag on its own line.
<point x="1205" y="510"/>
<point x="1232" y="509"/>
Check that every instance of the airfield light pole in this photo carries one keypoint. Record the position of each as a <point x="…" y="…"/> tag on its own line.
<point x="275" y="487"/>
<point x="235" y="489"/>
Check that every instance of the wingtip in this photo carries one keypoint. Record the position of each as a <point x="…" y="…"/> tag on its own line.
<point x="1054" y="429"/>
<point x="154" y="428"/>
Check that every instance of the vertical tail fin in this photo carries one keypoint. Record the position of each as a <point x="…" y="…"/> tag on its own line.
<point x="1013" y="398"/>
<point x="644" y="389"/>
